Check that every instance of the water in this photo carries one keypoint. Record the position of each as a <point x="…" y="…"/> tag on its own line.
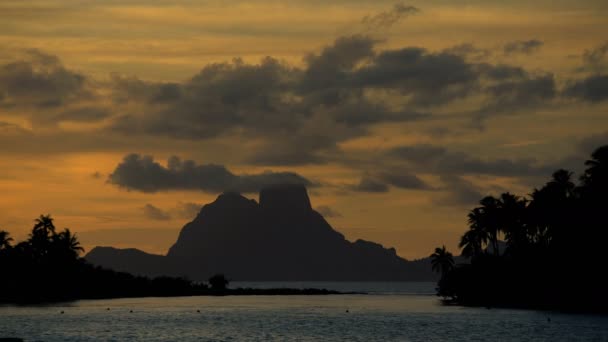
<point x="390" y="312"/>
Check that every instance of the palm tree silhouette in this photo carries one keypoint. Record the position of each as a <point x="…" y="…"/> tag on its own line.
<point x="442" y="261"/>
<point x="473" y="242"/>
<point x="511" y="220"/>
<point x="68" y="243"/>
<point x="486" y="219"/>
<point x="40" y="238"/>
<point x="44" y="225"/>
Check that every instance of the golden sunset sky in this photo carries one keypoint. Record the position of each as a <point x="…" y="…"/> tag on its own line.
<point x="121" y="118"/>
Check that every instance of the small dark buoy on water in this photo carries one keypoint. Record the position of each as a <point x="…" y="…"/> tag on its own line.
<point x="548" y="319"/>
<point x="198" y="311"/>
<point x="347" y="311"/>
<point x="131" y="311"/>
<point x="62" y="312"/>
<point x="108" y="309"/>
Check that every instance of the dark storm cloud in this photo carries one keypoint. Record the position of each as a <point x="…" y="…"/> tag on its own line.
<point x="142" y="173"/>
<point x="592" y="89"/>
<point x="389" y="18"/>
<point x="522" y="46"/>
<point x="155" y="213"/>
<point x="39" y="80"/>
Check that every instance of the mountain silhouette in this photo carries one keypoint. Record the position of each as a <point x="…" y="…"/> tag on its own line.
<point x="281" y="238"/>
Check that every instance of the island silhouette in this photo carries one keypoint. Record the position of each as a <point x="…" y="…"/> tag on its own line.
<point x="281" y="238"/>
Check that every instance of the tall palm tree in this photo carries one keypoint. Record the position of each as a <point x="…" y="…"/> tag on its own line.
<point x="442" y="261"/>
<point x="512" y="211"/>
<point x="486" y="219"/>
<point x="44" y="225"/>
<point x="41" y="236"/>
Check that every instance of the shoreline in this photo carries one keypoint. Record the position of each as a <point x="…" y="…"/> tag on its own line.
<point x="209" y="293"/>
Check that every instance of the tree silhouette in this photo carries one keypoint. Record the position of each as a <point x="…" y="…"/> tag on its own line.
<point x="442" y="261"/>
<point x="68" y="243"/>
<point x="5" y="240"/>
<point x="485" y="219"/>
<point x="555" y="245"/>
<point x="473" y="242"/>
<point x="218" y="282"/>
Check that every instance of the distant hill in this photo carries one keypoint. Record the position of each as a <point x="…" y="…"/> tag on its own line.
<point x="282" y="238"/>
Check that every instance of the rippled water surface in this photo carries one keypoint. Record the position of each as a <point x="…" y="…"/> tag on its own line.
<point x="390" y="312"/>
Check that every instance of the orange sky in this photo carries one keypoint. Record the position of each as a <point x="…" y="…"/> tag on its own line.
<point x="401" y="114"/>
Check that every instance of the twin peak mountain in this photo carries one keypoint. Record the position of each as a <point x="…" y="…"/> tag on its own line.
<point x="280" y="239"/>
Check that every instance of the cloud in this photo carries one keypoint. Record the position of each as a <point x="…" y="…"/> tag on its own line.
<point x="439" y="160"/>
<point x="326" y="211"/>
<point x="427" y="78"/>
<point x="155" y="213"/>
<point x="187" y="210"/>
<point x="459" y="192"/>
<point x="386" y="19"/>
<point x="513" y="95"/>
<point x="368" y="184"/>
<point x="293" y="115"/>
<point x="522" y="47"/>
<point x="142" y="173"/>
<point x="588" y="144"/>
<point x="469" y="50"/>
<point x="39" y="80"/>
<point x="596" y="59"/>
<point x="592" y="89"/>
<point x="402" y="179"/>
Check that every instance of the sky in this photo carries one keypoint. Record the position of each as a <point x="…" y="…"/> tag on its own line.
<point x="122" y="118"/>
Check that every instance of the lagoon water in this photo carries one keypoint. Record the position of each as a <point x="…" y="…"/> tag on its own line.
<point x="390" y="312"/>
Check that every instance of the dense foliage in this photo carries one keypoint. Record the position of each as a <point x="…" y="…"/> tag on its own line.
<point x="47" y="267"/>
<point x="545" y="251"/>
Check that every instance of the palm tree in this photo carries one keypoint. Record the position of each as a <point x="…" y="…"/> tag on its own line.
<point x="68" y="243"/>
<point x="41" y="236"/>
<point x="5" y="240"/>
<point x="486" y="219"/>
<point x="473" y="242"/>
<point x="512" y="210"/>
<point x="442" y="261"/>
<point x="44" y="225"/>
<point x="597" y="171"/>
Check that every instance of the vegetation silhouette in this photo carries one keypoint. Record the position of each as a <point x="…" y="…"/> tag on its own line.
<point x="554" y="247"/>
<point x="47" y="267"/>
